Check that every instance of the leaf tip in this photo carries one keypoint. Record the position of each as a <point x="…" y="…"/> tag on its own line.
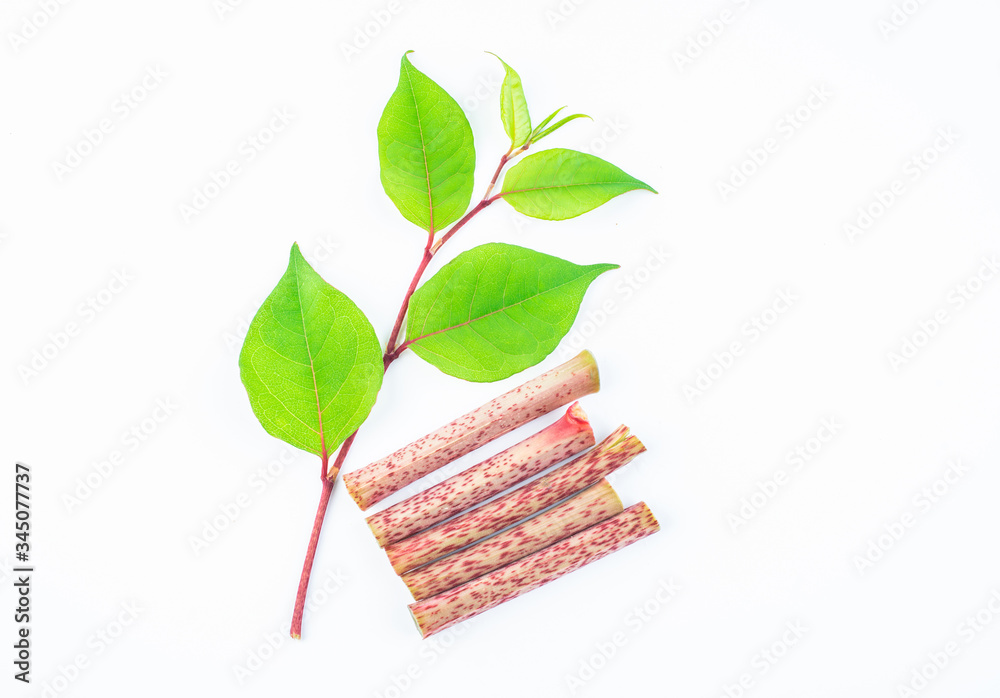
<point x="507" y="67"/>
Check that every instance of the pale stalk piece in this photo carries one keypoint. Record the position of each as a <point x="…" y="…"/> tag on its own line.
<point x="487" y="519"/>
<point x="472" y="598"/>
<point x="565" y="437"/>
<point x="593" y="505"/>
<point x="563" y="384"/>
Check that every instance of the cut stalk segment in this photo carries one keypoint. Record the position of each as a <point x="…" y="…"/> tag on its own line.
<point x="563" y="384"/>
<point x="565" y="437"/>
<point x="593" y="505"/>
<point x="487" y="519"/>
<point x="472" y="598"/>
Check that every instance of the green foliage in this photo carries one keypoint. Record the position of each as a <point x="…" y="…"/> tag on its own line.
<point x="496" y="310"/>
<point x="514" y="107"/>
<point x="541" y="132"/>
<point x="558" y="184"/>
<point x="425" y="151"/>
<point x="311" y="362"/>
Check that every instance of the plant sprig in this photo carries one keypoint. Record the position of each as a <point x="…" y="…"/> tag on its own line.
<point x="311" y="363"/>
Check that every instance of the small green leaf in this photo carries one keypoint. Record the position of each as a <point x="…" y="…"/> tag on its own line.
<point x="513" y="107"/>
<point x="545" y="121"/>
<point x="311" y="362"/>
<point x="558" y="184"/>
<point x="425" y="151"/>
<point x="496" y="310"/>
<point x="558" y="125"/>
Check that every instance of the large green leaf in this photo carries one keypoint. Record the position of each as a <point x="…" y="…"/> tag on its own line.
<point x="514" y="107"/>
<point x="311" y="362"/>
<point x="557" y="184"/>
<point x="425" y="151"/>
<point x="496" y="310"/>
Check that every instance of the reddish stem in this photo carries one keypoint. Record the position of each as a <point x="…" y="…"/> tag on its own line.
<point x="392" y="352"/>
<point x="300" y="598"/>
<point x="486" y="201"/>
<point x="390" y="346"/>
<point x="329" y="476"/>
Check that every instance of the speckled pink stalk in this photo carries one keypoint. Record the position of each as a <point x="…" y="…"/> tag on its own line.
<point x="593" y="505"/>
<point x="565" y="437"/>
<point x="565" y="481"/>
<point x="472" y="598"/>
<point x="553" y="389"/>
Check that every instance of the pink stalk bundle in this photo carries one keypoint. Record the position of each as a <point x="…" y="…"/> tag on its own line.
<point x="609" y="455"/>
<point x="472" y="598"/>
<point x="557" y="442"/>
<point x="563" y="384"/>
<point x="458" y="551"/>
<point x="593" y="505"/>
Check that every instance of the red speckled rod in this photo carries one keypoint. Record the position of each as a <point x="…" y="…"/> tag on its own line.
<point x="565" y="437"/>
<point x="565" y="481"/>
<point x="472" y="598"/>
<point x="560" y="386"/>
<point x="593" y="505"/>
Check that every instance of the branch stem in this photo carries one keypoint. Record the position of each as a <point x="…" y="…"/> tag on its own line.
<point x="390" y="346"/>
<point x="300" y="598"/>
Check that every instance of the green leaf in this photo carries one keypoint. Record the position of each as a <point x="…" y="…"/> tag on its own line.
<point x="558" y="125"/>
<point x="513" y="107"/>
<point x="538" y="134"/>
<point x="558" y="184"/>
<point x="425" y="151"/>
<point x="546" y="120"/>
<point x="311" y="362"/>
<point x="496" y="310"/>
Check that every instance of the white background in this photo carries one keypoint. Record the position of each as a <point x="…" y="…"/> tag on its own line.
<point x="173" y="334"/>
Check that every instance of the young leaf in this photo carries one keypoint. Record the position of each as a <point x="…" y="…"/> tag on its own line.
<point x="425" y="151"/>
<point x="496" y="310"/>
<point x="513" y="107"/>
<point x="311" y="362"/>
<point x="558" y="125"/>
<point x="546" y="121"/>
<point x="558" y="184"/>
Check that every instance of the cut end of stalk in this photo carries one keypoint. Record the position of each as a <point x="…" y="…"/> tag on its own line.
<point x="604" y="490"/>
<point x="380" y="535"/>
<point x="574" y="421"/>
<point x="416" y="622"/>
<point x="621" y="439"/>
<point x="295" y="636"/>
<point x="647" y="521"/>
<point x="352" y="485"/>
<point x="585" y="361"/>
<point x="576" y="415"/>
